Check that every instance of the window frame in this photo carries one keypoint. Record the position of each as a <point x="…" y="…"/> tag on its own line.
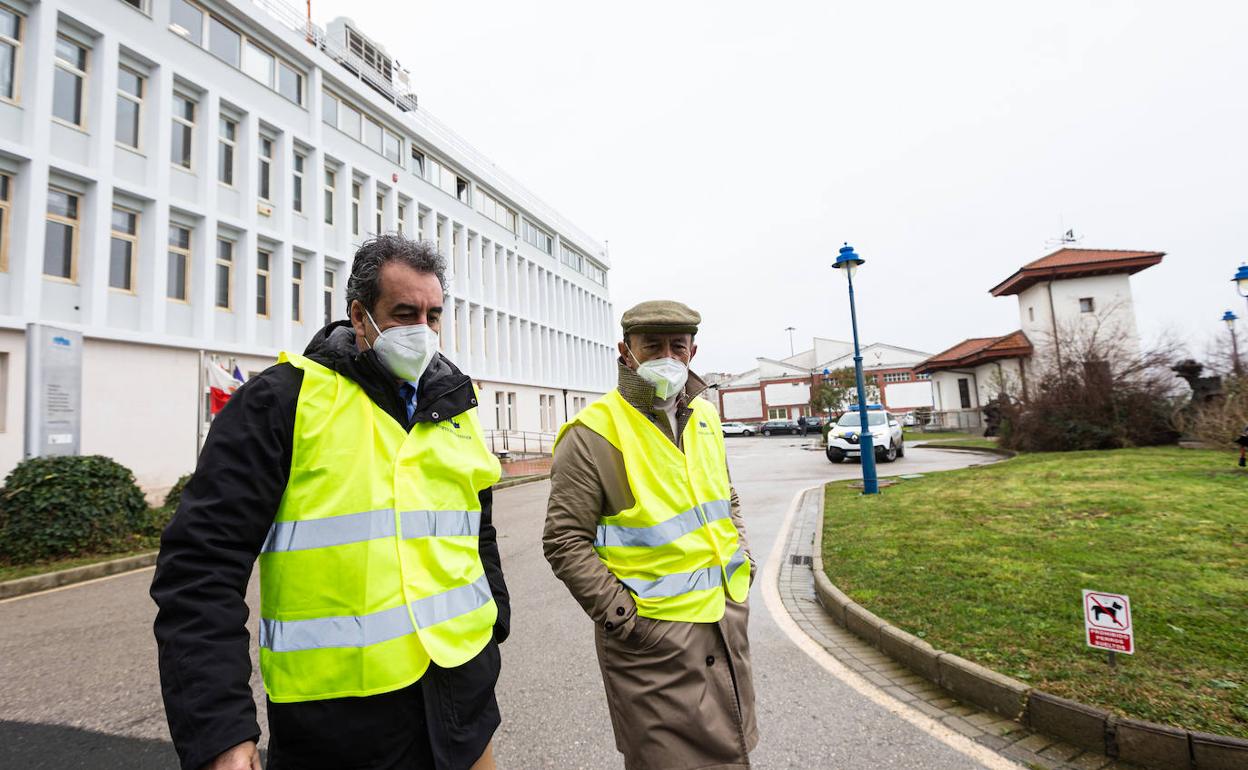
<point x="329" y="190"/>
<point x="1087" y="304"/>
<point x="203" y="25"/>
<point x="122" y="94"/>
<point x="185" y="123"/>
<point x="327" y="294"/>
<point x="357" y="190"/>
<point x="379" y="213"/>
<point x="298" y="165"/>
<point x="225" y="143"/>
<point x="296" y="290"/>
<point x="18" y="51"/>
<point x="264" y="168"/>
<point x="400" y="215"/>
<point x="75" y="226"/>
<point x="228" y="264"/>
<point x="83" y="75"/>
<point x="186" y="253"/>
<point x="133" y="240"/>
<point x="144" y="6"/>
<point x="6" y="218"/>
<point x="265" y="275"/>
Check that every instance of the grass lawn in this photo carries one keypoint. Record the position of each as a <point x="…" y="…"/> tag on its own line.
<point x="13" y="572"/>
<point x="989" y="563"/>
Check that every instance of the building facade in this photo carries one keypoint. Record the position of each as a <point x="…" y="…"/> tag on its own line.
<point x="187" y="175"/>
<point x="780" y="389"/>
<point x="1068" y="300"/>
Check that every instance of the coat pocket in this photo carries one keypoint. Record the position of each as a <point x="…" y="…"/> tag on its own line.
<point x="647" y="633"/>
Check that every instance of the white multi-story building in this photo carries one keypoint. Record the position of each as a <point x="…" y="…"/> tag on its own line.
<point x="187" y="175"/>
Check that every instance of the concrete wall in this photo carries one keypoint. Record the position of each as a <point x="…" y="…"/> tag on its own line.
<point x="788" y="393"/>
<point x="1112" y="320"/>
<point x="908" y="395"/>
<point x="742" y="405"/>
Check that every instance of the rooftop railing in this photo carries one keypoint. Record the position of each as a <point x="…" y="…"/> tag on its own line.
<point x="428" y="126"/>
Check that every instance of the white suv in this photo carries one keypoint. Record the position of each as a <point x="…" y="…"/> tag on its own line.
<point x="886" y="436"/>
<point x="737" y="429"/>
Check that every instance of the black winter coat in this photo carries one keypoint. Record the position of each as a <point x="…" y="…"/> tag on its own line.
<point x="444" y="721"/>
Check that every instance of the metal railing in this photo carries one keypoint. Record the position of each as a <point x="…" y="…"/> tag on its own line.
<point x="956" y="419"/>
<point x="474" y="161"/>
<point x="520" y="443"/>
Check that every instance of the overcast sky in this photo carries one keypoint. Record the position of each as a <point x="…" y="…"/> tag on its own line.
<point x="726" y="149"/>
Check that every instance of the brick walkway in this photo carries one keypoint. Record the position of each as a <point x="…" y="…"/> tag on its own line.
<point x="1005" y="736"/>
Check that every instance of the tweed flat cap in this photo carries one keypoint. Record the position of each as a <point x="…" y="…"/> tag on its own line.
<point x="664" y="316"/>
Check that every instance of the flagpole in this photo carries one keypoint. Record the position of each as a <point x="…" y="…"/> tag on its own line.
<point x="199" y="410"/>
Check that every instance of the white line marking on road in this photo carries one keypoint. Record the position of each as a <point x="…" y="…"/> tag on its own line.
<point x="47" y="591"/>
<point x="775" y="606"/>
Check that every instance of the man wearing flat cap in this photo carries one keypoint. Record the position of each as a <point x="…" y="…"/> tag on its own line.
<point x="644" y="528"/>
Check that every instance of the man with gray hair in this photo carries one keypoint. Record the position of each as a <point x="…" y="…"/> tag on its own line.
<point x="357" y="475"/>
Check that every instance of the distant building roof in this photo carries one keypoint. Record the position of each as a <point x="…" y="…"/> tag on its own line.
<point x="1076" y="263"/>
<point x="978" y="350"/>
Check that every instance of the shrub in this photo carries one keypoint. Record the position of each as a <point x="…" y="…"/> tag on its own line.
<point x="63" y="506"/>
<point x="175" y="493"/>
<point x="1219" y="421"/>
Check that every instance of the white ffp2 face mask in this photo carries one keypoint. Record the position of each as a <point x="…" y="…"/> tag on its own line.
<point x="405" y="351"/>
<point x="667" y="375"/>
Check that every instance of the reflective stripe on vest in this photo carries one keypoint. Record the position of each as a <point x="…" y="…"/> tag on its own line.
<point x="371" y="570"/>
<point x="677" y="549"/>
<point x="665" y="531"/>
<point x="358" y="527"/>
<point x="376" y="627"/>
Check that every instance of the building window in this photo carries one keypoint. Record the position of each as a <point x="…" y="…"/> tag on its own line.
<point x="897" y="377"/>
<point x="1086" y="305"/>
<point x="263" y="259"/>
<point x="70" y="81"/>
<point x="60" y="249"/>
<point x="381" y="205"/>
<point x="418" y="162"/>
<point x="372" y="134"/>
<point x="777" y="413"/>
<point x="224" y="42"/>
<point x="492" y="209"/>
<point x="329" y="108"/>
<point x="266" y="168"/>
<point x="570" y="257"/>
<point x="225" y="274"/>
<point x="289" y="82"/>
<point x="369" y="53"/>
<point x="296" y="291"/>
<point x="183" y="131"/>
<point x="402" y="216"/>
<point x="129" y="106"/>
<point x="964" y="392"/>
<point x="540" y="238"/>
<point x="138" y="5"/>
<point x="225" y="151"/>
<point x="355" y="208"/>
<point x="258" y="63"/>
<point x="329" y="297"/>
<point x="122" y="248"/>
<point x="10" y="50"/>
<point x="925" y="376"/>
<point x="462" y="193"/>
<point x="6" y="214"/>
<point x="330" y="184"/>
<point x="187" y="20"/>
<point x="296" y="199"/>
<point x="178" y="279"/>
<point x="392" y="147"/>
<point x="349" y="120"/>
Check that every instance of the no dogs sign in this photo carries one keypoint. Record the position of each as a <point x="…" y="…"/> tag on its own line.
<point x="1107" y="620"/>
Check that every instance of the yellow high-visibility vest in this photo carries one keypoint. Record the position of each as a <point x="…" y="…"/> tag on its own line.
<point x="676" y="549"/>
<point x="371" y="568"/>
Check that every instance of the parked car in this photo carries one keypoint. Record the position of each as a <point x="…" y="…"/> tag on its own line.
<point x="813" y="424"/>
<point x="781" y="426"/>
<point x="845" y="436"/>
<point x="737" y="429"/>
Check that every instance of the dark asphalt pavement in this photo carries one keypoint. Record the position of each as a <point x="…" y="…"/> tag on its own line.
<point x="80" y="687"/>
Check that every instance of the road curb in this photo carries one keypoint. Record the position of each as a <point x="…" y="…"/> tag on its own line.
<point x="506" y="483"/>
<point x="986" y="450"/>
<point x="48" y="580"/>
<point x="1147" y="744"/>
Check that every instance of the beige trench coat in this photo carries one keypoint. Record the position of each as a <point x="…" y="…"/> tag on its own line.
<point x="681" y="695"/>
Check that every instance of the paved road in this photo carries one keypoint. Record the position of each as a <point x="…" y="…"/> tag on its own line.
<point x="80" y="689"/>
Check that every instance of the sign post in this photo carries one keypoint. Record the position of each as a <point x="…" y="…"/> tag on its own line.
<point x="1107" y="623"/>
<point x="53" y="391"/>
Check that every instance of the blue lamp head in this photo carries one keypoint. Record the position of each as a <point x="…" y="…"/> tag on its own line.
<point x="848" y="261"/>
<point x="1241" y="280"/>
<point x="1230" y="318"/>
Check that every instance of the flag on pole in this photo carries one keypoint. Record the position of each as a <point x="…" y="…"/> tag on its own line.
<point x="220" y="387"/>
<point x="238" y="375"/>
